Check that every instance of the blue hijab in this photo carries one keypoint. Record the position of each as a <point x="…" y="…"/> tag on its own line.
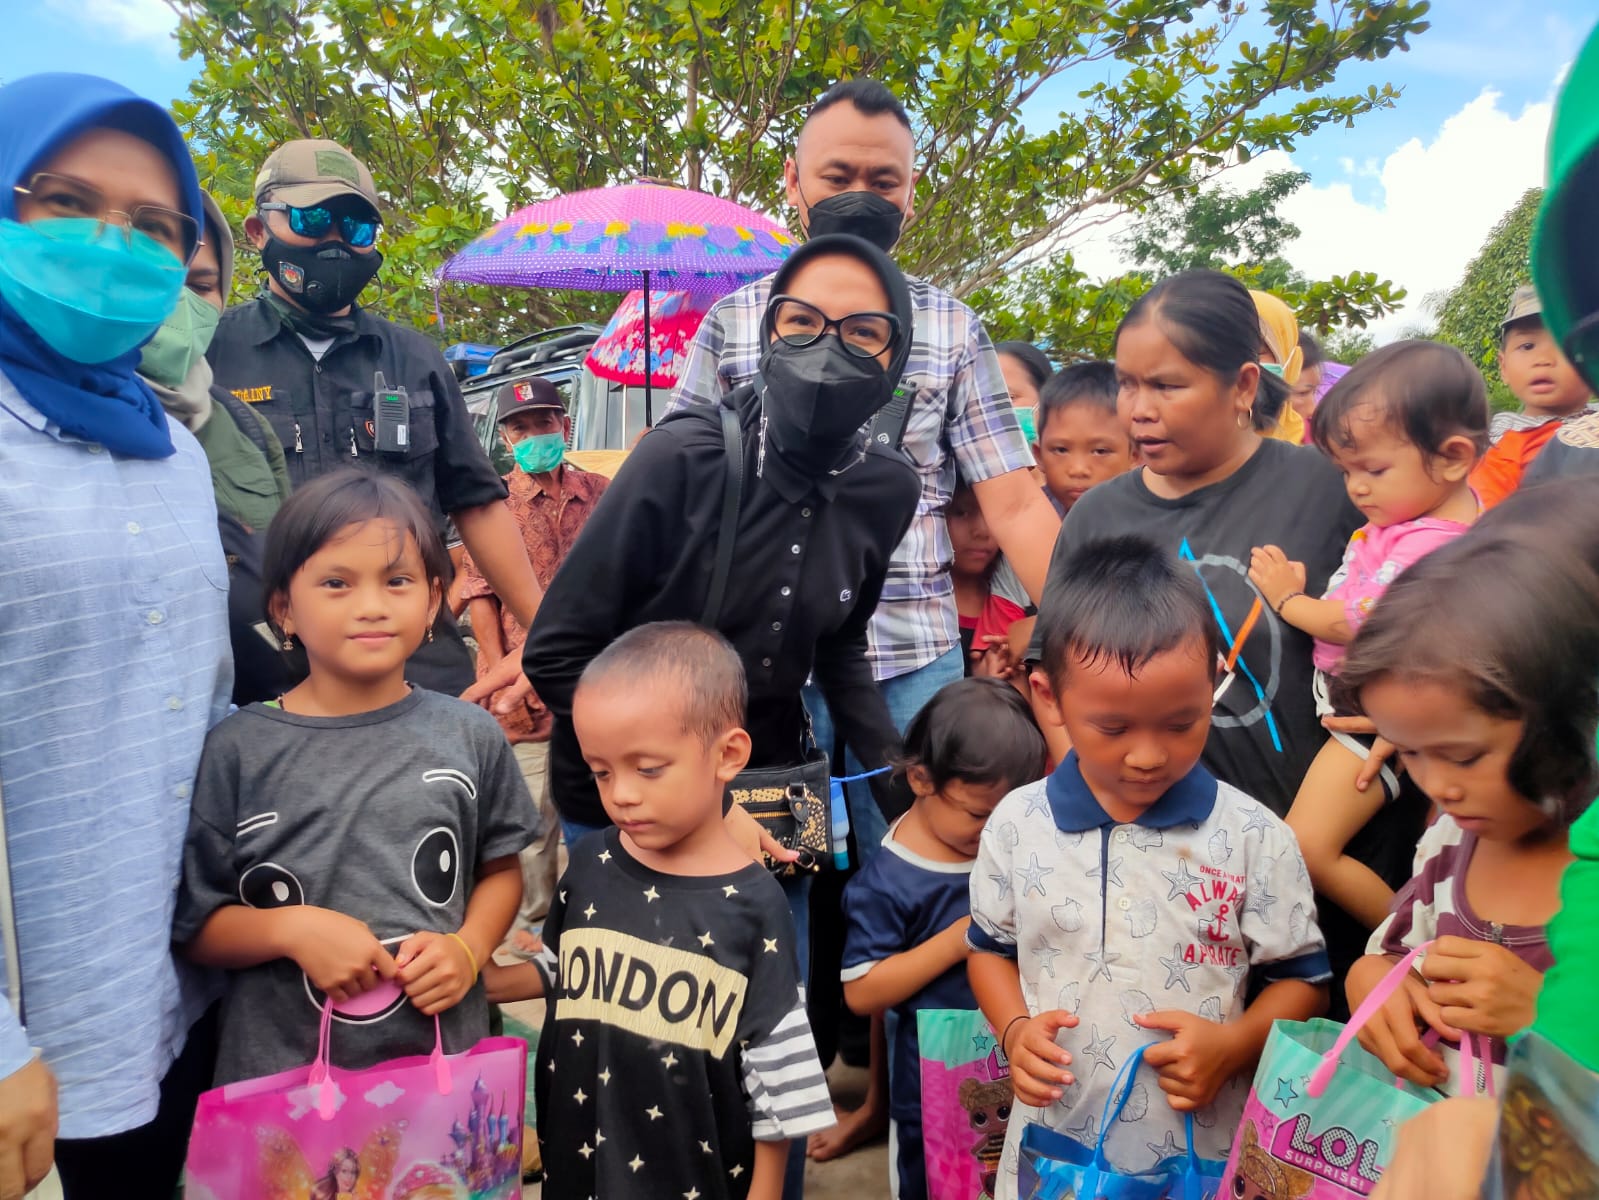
<point x="103" y="402"/>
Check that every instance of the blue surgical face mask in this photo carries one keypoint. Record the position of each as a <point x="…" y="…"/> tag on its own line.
<point x="541" y="453"/>
<point x="91" y="292"/>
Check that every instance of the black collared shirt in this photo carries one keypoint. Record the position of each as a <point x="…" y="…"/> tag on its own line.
<point x="322" y="410"/>
<point x="808" y="566"/>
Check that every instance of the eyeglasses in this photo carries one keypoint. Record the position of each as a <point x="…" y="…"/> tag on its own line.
<point x="64" y="196"/>
<point x="1581" y="346"/>
<point x="318" y="220"/>
<point x="864" y="334"/>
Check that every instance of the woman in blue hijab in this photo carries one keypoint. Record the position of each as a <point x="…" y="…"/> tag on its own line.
<point x="113" y="640"/>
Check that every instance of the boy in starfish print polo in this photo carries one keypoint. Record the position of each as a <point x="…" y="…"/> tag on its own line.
<point x="675" y="1062"/>
<point x="1131" y="897"/>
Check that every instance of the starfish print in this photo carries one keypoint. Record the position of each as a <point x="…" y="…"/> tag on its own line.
<point x="706" y="940"/>
<point x="738" y="1169"/>
<point x="580" y="1096"/>
<point x="1047" y="955"/>
<point x="1101" y="960"/>
<point x="1111" y="870"/>
<point x="653" y="1112"/>
<point x="589" y="911"/>
<point x="1167" y="1149"/>
<point x="605" y="1076"/>
<point x="669" y="1061"/>
<point x="1002" y="885"/>
<point x="771" y="945"/>
<point x="1099" y="1049"/>
<point x="586" y="1151"/>
<point x="605" y="856"/>
<point x="1260" y="901"/>
<point x="1085" y="1132"/>
<point x="651" y="896"/>
<point x="636" y="1163"/>
<point x="577" y="1037"/>
<point x="1258" y="821"/>
<point x="1038" y="803"/>
<point x="730" y="891"/>
<point x="1181" y="880"/>
<point x="1176" y="969"/>
<point x="1032" y="876"/>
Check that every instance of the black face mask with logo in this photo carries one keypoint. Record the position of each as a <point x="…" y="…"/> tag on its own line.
<point x="865" y="214"/>
<point x="321" y="279"/>
<point x="818" y="398"/>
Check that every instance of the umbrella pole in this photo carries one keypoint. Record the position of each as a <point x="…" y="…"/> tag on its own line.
<point x="649" y="415"/>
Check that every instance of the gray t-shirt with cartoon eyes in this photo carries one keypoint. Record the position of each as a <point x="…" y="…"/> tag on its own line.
<point x="385" y="817"/>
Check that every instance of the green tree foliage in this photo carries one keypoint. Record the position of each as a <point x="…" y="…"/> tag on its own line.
<point x="1216" y="229"/>
<point x="1347" y="346"/>
<point x="462" y="106"/>
<point x="1469" y="313"/>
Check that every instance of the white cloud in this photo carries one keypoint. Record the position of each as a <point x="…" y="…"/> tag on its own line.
<point x="149" y="22"/>
<point x="1435" y="201"/>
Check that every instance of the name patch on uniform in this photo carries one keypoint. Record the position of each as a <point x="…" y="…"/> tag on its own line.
<point x="255" y="395"/>
<point x="658" y="992"/>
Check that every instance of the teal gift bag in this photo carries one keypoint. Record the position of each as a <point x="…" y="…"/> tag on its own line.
<point x="1054" y="1166"/>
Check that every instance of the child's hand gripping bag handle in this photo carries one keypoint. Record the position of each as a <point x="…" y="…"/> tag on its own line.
<point x="1121" y="1090"/>
<point x="1472" y="1047"/>
<point x="327" y="1103"/>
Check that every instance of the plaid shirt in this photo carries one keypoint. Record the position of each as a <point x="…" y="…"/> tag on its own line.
<point x="961" y="420"/>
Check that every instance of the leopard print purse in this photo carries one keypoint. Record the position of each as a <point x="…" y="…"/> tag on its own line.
<point x="794" y="805"/>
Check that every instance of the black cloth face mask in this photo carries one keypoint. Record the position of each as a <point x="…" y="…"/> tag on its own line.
<point x="865" y="214"/>
<point x="323" y="278"/>
<point x="817" y="400"/>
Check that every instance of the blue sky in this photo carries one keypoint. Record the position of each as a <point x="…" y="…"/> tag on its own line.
<point x="1462" y="143"/>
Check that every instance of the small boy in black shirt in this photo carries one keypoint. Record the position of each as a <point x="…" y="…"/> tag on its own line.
<point x="675" y="1058"/>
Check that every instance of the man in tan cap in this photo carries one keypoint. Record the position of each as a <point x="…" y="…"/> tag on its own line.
<point x="342" y="386"/>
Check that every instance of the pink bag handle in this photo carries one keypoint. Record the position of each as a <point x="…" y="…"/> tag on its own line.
<point x="1474" y="1048"/>
<point x="1379" y="996"/>
<point x="321" y="1068"/>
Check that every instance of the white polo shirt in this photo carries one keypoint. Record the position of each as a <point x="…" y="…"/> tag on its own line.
<point x="1180" y="909"/>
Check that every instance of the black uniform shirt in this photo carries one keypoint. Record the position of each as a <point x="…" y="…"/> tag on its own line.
<point x="322" y="410"/>
<point x="809" y="562"/>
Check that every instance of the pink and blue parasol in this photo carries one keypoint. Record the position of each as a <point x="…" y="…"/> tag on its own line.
<point x="619" y="353"/>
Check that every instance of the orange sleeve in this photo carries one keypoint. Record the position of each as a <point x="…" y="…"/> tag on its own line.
<point x="1500" y="471"/>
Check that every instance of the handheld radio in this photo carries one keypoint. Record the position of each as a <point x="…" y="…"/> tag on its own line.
<point x="391" y="416"/>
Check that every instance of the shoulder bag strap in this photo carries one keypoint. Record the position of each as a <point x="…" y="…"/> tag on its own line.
<point x="732" y="493"/>
<point x="10" y="954"/>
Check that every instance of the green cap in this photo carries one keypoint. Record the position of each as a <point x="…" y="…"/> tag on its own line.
<point x="311" y="170"/>
<point x="1565" y="240"/>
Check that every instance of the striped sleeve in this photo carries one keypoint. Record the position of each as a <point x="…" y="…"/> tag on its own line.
<point x="1413" y="917"/>
<point x="784" y="1082"/>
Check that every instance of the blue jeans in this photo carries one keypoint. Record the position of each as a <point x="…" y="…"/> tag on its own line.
<point x="905" y="695"/>
<point x="573" y="832"/>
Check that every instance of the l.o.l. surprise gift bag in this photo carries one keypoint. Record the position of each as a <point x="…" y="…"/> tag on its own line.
<point x="431" y="1127"/>
<point x="966" y="1102"/>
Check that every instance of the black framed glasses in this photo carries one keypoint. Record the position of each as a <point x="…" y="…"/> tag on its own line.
<point x="1581" y="346"/>
<point x="317" y="220"/>
<point x="62" y="196"/>
<point x="864" y="334"/>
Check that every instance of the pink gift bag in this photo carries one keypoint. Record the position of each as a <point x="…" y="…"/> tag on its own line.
<point x="432" y="1127"/>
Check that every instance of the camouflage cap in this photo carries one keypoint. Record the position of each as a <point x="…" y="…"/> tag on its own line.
<point x="312" y="170"/>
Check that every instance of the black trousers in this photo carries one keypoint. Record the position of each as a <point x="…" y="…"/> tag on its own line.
<point x="144" y="1163"/>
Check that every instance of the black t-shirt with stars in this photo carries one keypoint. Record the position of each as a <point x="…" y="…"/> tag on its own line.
<point x="674" y="1037"/>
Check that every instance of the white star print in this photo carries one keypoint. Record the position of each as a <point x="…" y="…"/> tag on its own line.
<point x="1176" y="969"/>
<point x="636" y="1163"/>
<point x="605" y="856"/>
<point x="692" y="1194"/>
<point x="652" y="895"/>
<point x="669" y="1061"/>
<point x="577" y="1037"/>
<point x="580" y="1096"/>
<point x="1032" y="876"/>
<point x="1112" y="872"/>
<point x="599" y="1138"/>
<point x="738" y="1169"/>
<point x="552" y="1066"/>
<point x="653" y="1112"/>
<point x="706" y="940"/>
<point x="589" y="911"/>
<point x="1181" y="880"/>
<point x="563" y="895"/>
<point x="771" y="945"/>
<point x="730" y="891"/>
<point x="706" y="1147"/>
<point x="605" y="1076"/>
<point x="585" y="1150"/>
<point x="1101" y="959"/>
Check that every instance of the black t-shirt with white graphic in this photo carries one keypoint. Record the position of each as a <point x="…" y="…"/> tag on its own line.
<point x="674" y="1036"/>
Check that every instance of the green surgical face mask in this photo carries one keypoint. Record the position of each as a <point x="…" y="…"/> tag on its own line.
<point x="1027" y="418"/>
<point x="541" y="453"/>
<point x="181" y="341"/>
<point x="1275" y="368"/>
